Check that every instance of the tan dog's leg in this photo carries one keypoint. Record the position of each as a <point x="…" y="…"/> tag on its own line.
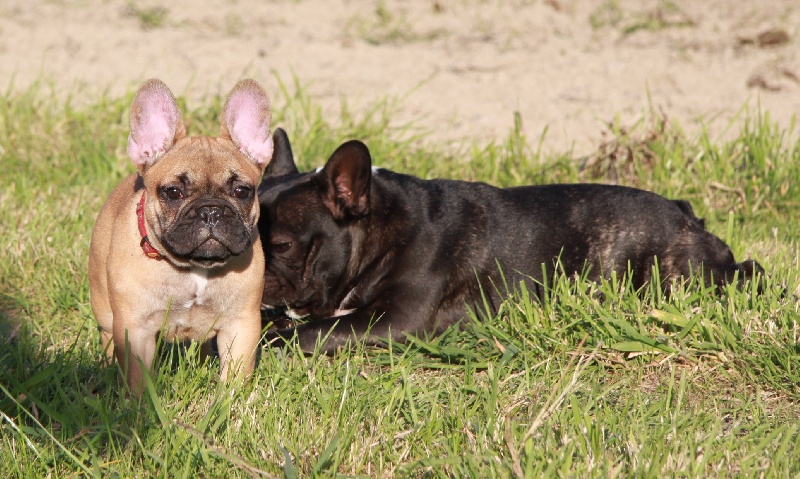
<point x="104" y="316"/>
<point x="107" y="337"/>
<point x="134" y="349"/>
<point x="237" y="344"/>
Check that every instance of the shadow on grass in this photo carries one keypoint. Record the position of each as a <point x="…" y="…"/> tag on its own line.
<point x="57" y="403"/>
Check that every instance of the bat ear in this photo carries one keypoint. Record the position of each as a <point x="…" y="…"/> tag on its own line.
<point x="156" y="124"/>
<point x="347" y="176"/>
<point x="246" y="120"/>
<point x="282" y="158"/>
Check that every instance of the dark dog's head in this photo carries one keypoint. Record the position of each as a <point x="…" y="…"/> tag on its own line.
<point x="310" y="224"/>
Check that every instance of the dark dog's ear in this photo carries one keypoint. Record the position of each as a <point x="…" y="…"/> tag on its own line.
<point x="347" y="176"/>
<point x="282" y="158"/>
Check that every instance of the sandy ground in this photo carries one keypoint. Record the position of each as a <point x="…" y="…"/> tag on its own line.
<point x="463" y="68"/>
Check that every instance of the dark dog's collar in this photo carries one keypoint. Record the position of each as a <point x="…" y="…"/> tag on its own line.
<point x="148" y="249"/>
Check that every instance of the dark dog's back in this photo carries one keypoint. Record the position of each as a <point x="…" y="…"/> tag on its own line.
<point x="479" y="239"/>
<point x="609" y="229"/>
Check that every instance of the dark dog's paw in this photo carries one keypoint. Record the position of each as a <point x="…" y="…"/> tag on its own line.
<point x="275" y="318"/>
<point x="279" y="338"/>
<point x="750" y="271"/>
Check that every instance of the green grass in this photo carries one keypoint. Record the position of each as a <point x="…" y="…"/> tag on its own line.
<point x="385" y="26"/>
<point x="149" y="17"/>
<point x="665" y="14"/>
<point x="633" y="385"/>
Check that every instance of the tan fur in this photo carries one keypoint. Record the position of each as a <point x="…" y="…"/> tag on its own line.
<point x="136" y="298"/>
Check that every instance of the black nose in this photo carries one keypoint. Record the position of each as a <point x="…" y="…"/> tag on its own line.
<point x="209" y="215"/>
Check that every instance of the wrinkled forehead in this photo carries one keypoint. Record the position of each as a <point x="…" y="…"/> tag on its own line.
<point x="202" y="157"/>
<point x="290" y="198"/>
<point x="275" y="189"/>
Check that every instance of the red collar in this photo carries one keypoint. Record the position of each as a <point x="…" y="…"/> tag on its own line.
<point x="145" y="243"/>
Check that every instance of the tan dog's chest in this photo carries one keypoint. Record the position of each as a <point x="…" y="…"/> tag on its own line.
<point x="192" y="308"/>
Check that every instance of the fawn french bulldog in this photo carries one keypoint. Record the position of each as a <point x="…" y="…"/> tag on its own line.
<point x="369" y="254"/>
<point x="175" y="249"/>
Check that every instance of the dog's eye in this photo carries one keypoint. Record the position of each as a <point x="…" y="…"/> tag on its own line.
<point x="172" y="193"/>
<point x="281" y="248"/>
<point x="242" y="192"/>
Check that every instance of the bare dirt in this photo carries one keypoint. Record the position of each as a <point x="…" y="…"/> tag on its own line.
<point x="461" y="68"/>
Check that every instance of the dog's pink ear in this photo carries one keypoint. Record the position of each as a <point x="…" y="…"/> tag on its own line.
<point x="246" y="120"/>
<point x="156" y="124"/>
<point x="348" y="173"/>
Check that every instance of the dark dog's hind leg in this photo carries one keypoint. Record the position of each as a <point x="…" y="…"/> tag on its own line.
<point x="698" y="250"/>
<point x="747" y="270"/>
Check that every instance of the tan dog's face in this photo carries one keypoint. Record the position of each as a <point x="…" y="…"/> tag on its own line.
<point x="202" y="208"/>
<point x="202" y="203"/>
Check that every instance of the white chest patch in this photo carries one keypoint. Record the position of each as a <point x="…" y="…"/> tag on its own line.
<point x="199" y="278"/>
<point x="294" y="314"/>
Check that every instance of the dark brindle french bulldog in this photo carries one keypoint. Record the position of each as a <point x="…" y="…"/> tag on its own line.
<point x="372" y="254"/>
<point x="175" y="250"/>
